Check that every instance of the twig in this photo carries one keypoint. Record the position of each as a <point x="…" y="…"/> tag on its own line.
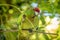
<point x="27" y="30"/>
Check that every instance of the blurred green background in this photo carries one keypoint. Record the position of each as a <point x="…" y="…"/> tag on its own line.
<point x="17" y="22"/>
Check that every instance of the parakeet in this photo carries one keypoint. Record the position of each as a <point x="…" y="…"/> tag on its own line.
<point x="36" y="9"/>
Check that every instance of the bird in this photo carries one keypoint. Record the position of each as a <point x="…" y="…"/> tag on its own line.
<point x="36" y="9"/>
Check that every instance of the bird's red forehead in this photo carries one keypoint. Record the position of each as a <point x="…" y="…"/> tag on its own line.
<point x="36" y="9"/>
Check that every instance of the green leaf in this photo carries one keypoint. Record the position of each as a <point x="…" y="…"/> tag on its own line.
<point x="46" y="37"/>
<point x="20" y="18"/>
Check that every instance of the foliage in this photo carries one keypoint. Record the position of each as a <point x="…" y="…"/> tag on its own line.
<point x="18" y="23"/>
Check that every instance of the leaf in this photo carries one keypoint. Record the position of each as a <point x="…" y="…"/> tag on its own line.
<point x="10" y="36"/>
<point x="20" y="18"/>
<point x="46" y="37"/>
